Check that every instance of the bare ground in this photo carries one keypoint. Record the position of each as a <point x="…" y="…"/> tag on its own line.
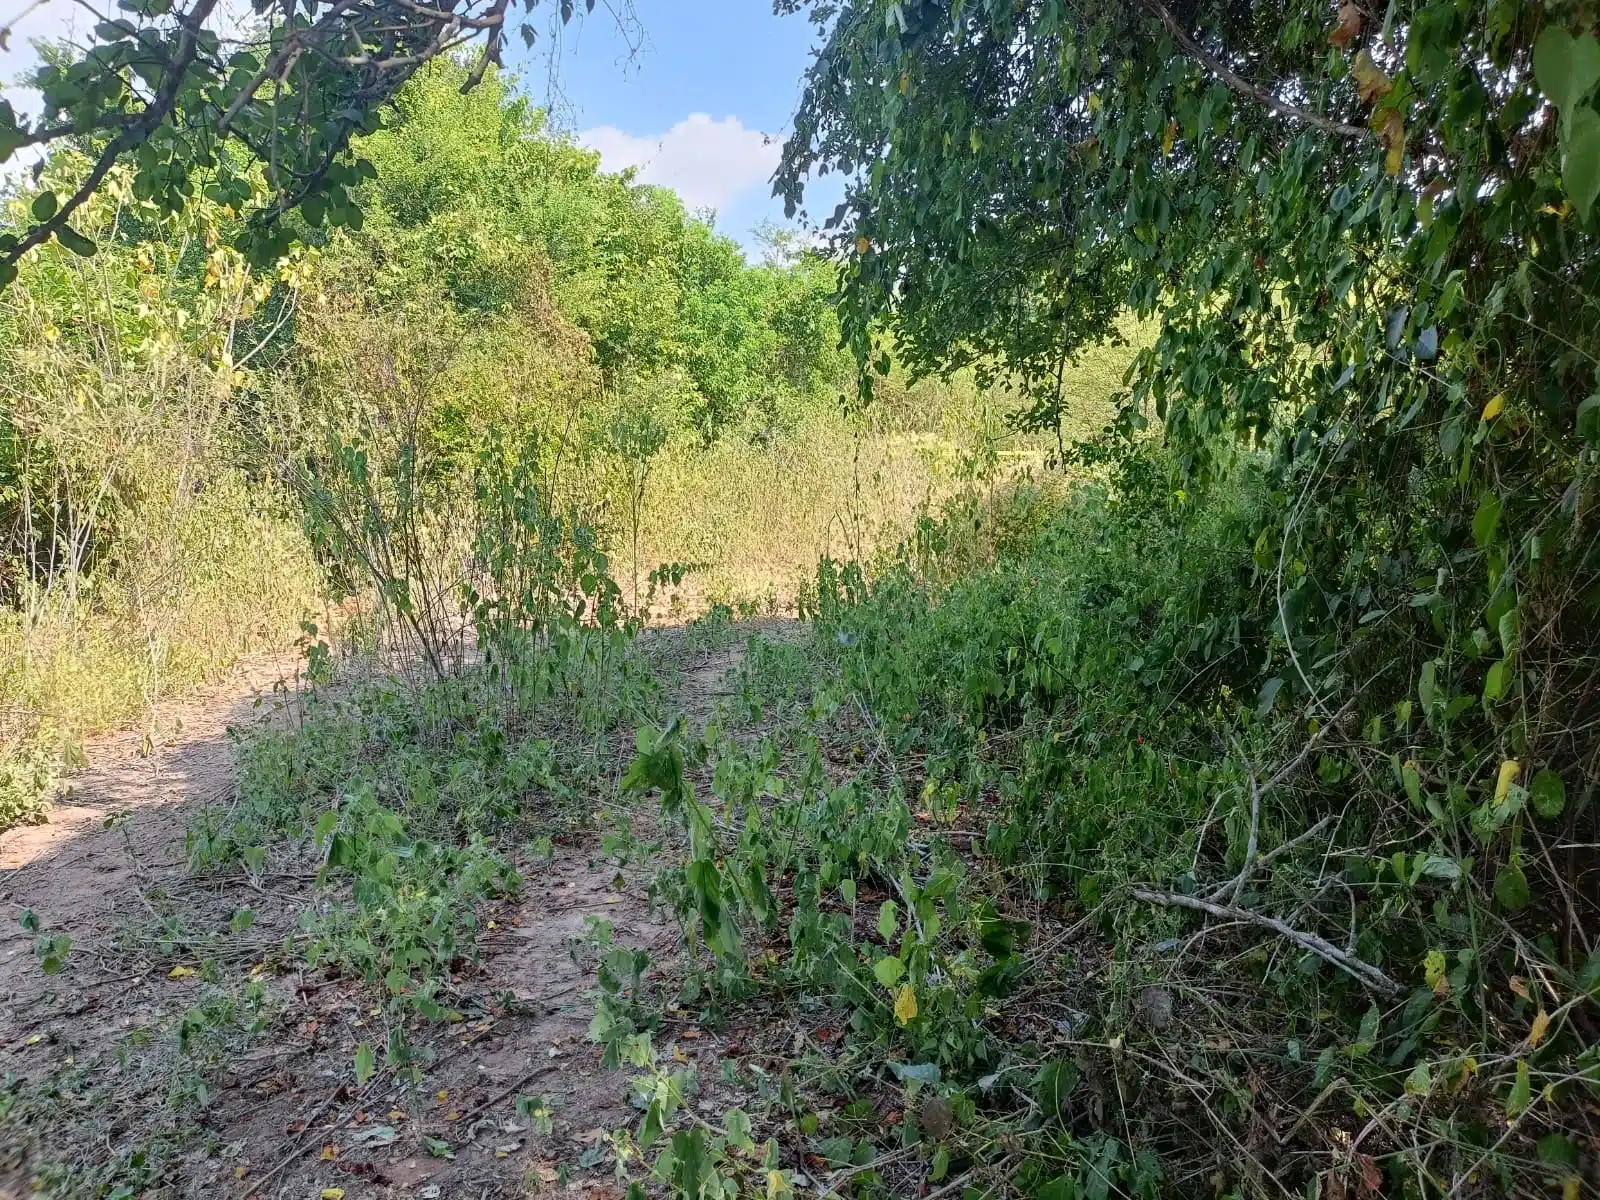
<point x="281" y="1115"/>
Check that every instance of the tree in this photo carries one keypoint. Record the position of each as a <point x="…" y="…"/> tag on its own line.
<point x="1369" y="235"/>
<point x="261" y="122"/>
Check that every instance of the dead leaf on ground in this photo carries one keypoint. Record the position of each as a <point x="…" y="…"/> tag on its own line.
<point x="1371" y="1176"/>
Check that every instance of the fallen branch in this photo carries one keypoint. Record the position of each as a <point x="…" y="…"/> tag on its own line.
<point x="1362" y="971"/>
<point x="1268" y="857"/>
<point x="1259" y="792"/>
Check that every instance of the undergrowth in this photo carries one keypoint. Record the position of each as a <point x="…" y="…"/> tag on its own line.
<point x="414" y="804"/>
<point x="962" y="835"/>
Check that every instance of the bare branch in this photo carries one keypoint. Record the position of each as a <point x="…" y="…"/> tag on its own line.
<point x="1363" y="972"/>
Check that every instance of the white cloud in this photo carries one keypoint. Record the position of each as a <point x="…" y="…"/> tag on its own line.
<point x="709" y="163"/>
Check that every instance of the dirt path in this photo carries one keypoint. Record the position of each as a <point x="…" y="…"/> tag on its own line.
<point x="71" y="871"/>
<point x="285" y="1119"/>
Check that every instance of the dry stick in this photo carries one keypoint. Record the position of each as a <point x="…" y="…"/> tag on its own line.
<point x="543" y="1069"/>
<point x="1361" y="970"/>
<point x="259" y="1186"/>
<point x="255" y="1188"/>
<point x="1310" y="1110"/>
<point x="1294" y="841"/>
<point x="844" y="1173"/>
<point x="1258" y="793"/>
<point x="1574" y="924"/>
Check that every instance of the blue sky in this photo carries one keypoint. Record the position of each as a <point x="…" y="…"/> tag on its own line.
<point x="702" y="107"/>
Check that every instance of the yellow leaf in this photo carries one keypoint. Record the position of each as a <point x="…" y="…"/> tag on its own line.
<point x="1433" y="966"/>
<point x="862" y="245"/>
<point x="1391" y="129"/>
<point x="905" y="1004"/>
<point x="1502" y="786"/>
<point x="1541" y="1026"/>
<point x="442" y="1095"/>
<point x="329" y="1153"/>
<point x="1094" y="102"/>
<point x="1469" y="1072"/>
<point x="1371" y="82"/>
<point x="1169" y="139"/>
<point x="905" y="82"/>
<point x="332" y="1194"/>
<point x="1495" y="406"/>
<point x="180" y="973"/>
<point x="777" y="1185"/>
<point x="1572" y="1187"/>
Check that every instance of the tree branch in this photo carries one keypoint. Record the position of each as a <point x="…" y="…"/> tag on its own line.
<point x="1213" y="64"/>
<point x="133" y="134"/>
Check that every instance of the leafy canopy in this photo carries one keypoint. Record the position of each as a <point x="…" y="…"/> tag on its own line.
<point x="261" y="121"/>
<point x="1368" y="235"/>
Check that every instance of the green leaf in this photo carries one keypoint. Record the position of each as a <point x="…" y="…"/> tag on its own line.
<point x="1053" y="1086"/>
<point x="1367" y="1036"/>
<point x="1511" y="885"/>
<point x="1507" y="628"/>
<point x="1557" y="1150"/>
<point x="1588" y="418"/>
<point x="1412" y="781"/>
<point x="1427" y="685"/>
<point x="737" y="1123"/>
<point x="888" y="921"/>
<point x="1267" y="697"/>
<point x="1487" y="519"/>
<point x="1495" y="681"/>
<point x="1521" y="1092"/>
<point x="366" y="1064"/>
<point x="1420" y="1081"/>
<point x="1565" y="67"/>
<point x="889" y="970"/>
<point x="1580" y="159"/>
<point x="1548" y="793"/>
<point x="847" y="889"/>
<point x="44" y="206"/>
<point x="920" y="1072"/>
<point x="76" y="242"/>
<point x="29" y="920"/>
